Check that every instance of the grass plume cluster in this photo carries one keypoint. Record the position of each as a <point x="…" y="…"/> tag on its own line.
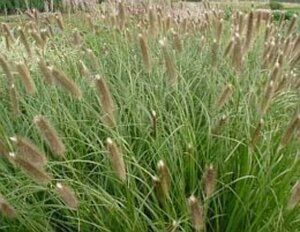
<point x="150" y="118"/>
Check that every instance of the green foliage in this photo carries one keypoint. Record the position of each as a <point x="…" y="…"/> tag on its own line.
<point x="287" y="14"/>
<point x="14" y="5"/>
<point x="227" y="12"/>
<point x="253" y="181"/>
<point x="275" y="5"/>
<point x="276" y="15"/>
<point x="295" y="10"/>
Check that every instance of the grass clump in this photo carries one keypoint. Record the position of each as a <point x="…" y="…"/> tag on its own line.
<point x="141" y="120"/>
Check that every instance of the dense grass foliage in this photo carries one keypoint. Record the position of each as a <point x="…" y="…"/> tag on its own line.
<point x="13" y="5"/>
<point x="150" y="122"/>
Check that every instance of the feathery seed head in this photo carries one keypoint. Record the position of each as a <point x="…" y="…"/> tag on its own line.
<point x="176" y="42"/>
<point x="257" y="132"/>
<point x="23" y="39"/>
<point x="60" y="21"/>
<point x="292" y="25"/>
<point x="154" y="123"/>
<point x="214" y="52"/>
<point x="170" y="67"/>
<point x="210" y="181"/>
<point x="67" y="83"/>
<point x="117" y="160"/>
<point x="145" y="53"/>
<point x="229" y="47"/>
<point x="7" y="70"/>
<point x="293" y="125"/>
<point x="50" y="135"/>
<point x="26" y="78"/>
<point x="275" y="72"/>
<point x="220" y="124"/>
<point x="249" y="31"/>
<point x="267" y="97"/>
<point x="196" y="213"/>
<point x="106" y="101"/>
<point x="46" y="71"/>
<point x="226" y="93"/>
<point x="164" y="177"/>
<point x="38" y="39"/>
<point x="67" y="195"/>
<point x="6" y="209"/>
<point x="295" y="196"/>
<point x="28" y="151"/>
<point x="14" y="100"/>
<point x="37" y="174"/>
